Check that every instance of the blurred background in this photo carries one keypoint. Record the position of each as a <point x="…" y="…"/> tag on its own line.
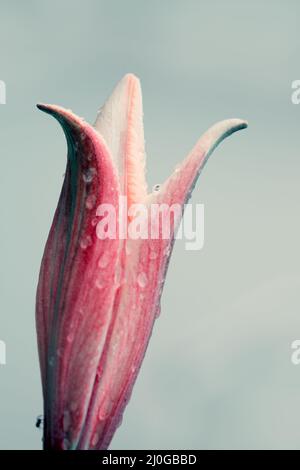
<point x="218" y="371"/>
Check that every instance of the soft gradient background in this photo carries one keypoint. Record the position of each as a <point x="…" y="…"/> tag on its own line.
<point x="218" y="372"/>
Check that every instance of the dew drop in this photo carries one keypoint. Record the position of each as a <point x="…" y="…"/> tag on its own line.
<point x="157" y="311"/>
<point x="85" y="242"/>
<point x="51" y="361"/>
<point x="66" y="444"/>
<point x="117" y="276"/>
<point x="156" y="188"/>
<point x="39" y="423"/>
<point x="153" y="255"/>
<point x="70" y="337"/>
<point x="119" y="421"/>
<point x="103" y="415"/>
<point x="90" y="201"/>
<point x="167" y="251"/>
<point x="88" y="175"/>
<point x="142" y="280"/>
<point x="104" y="260"/>
<point x="100" y="283"/>
<point x="95" y="439"/>
<point x="73" y="406"/>
<point x="66" y="420"/>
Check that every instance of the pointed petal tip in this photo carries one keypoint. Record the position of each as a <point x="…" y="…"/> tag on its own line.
<point x="131" y="77"/>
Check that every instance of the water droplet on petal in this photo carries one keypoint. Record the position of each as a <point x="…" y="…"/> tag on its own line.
<point x="51" y="361"/>
<point x="88" y="175"/>
<point x="142" y="280"/>
<point x="70" y="337"/>
<point x="104" y="260"/>
<point x="157" y="312"/>
<point x="66" y="444"/>
<point x="153" y="255"/>
<point x="167" y="251"/>
<point x="95" y="439"/>
<point x="90" y="201"/>
<point x="156" y="188"/>
<point x="103" y="415"/>
<point x="66" y="420"/>
<point x="119" y="421"/>
<point x="100" y="283"/>
<point x="85" y="242"/>
<point x="73" y="406"/>
<point x="58" y="352"/>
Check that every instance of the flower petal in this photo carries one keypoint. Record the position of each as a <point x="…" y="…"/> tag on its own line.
<point x="120" y="122"/>
<point x="178" y="187"/>
<point x="75" y="295"/>
<point x="137" y="305"/>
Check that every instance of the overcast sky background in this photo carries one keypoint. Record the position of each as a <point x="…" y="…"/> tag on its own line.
<point x="218" y="371"/>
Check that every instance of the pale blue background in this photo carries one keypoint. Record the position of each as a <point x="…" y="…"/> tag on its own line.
<point x="217" y="373"/>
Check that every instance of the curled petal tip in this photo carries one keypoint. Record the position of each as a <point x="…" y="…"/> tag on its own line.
<point x="57" y="111"/>
<point x="219" y="131"/>
<point x="47" y="108"/>
<point x="179" y="186"/>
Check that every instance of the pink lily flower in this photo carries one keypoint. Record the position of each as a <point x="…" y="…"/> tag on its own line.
<point x="97" y="299"/>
